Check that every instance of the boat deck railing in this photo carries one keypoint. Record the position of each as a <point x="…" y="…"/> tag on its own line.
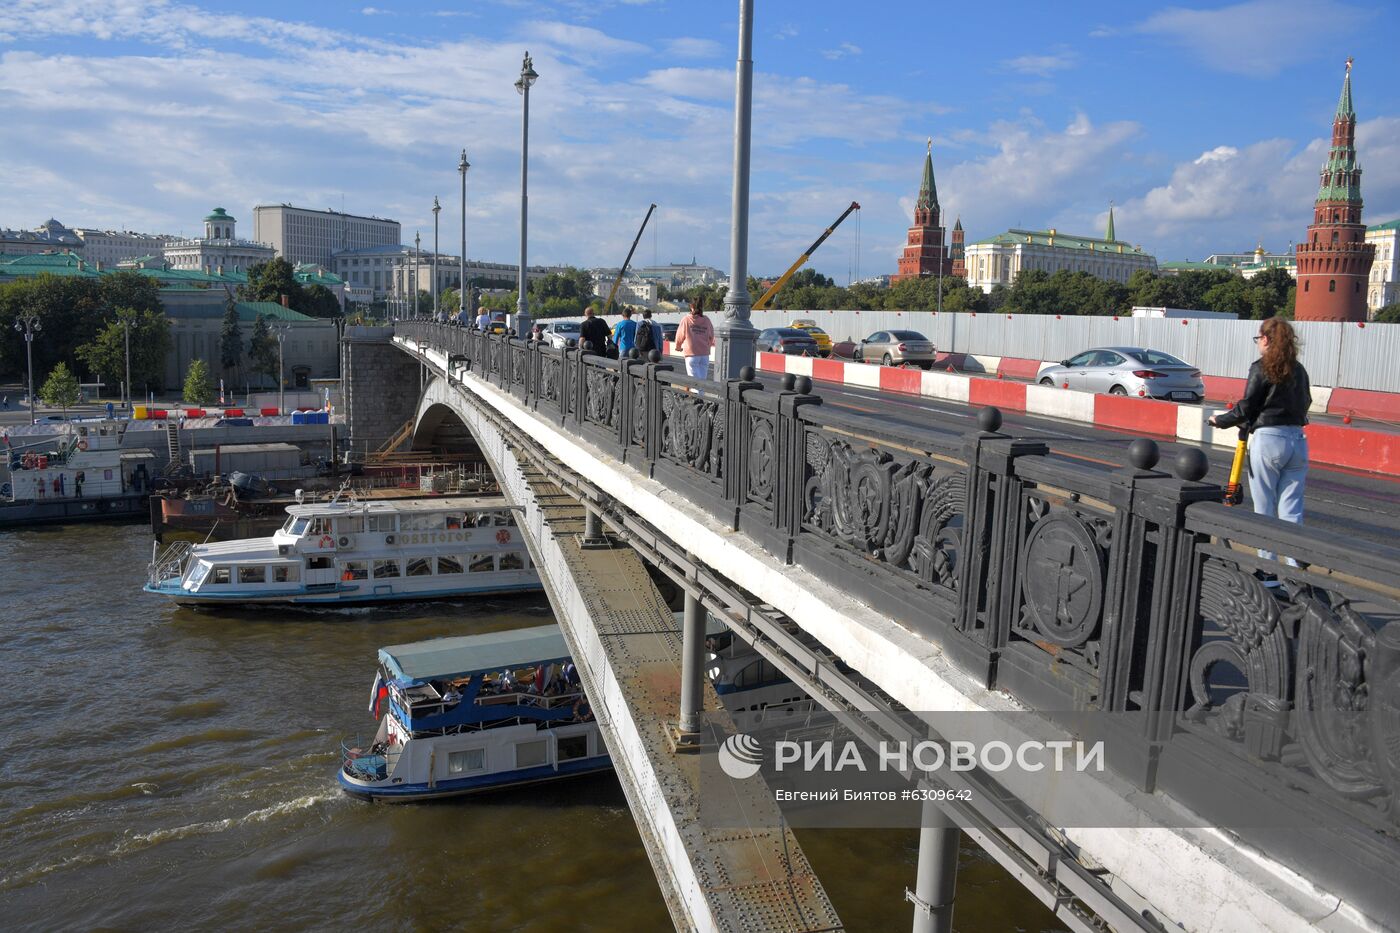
<point x="525" y="698"/>
<point x="170" y="563"/>
<point x="359" y="760"/>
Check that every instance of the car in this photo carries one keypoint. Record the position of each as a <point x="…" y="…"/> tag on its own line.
<point x="895" y="348"/>
<point x="1138" y="371"/>
<point x="497" y="326"/>
<point x="820" y="336"/>
<point x="559" y="333"/>
<point x="789" y="340"/>
<point x="668" y="331"/>
<point x="53" y="419"/>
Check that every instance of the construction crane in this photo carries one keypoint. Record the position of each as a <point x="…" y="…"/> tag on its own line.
<point x="612" y="293"/>
<point x="762" y="303"/>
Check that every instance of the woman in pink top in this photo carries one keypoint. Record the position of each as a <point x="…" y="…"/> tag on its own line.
<point x="694" y="338"/>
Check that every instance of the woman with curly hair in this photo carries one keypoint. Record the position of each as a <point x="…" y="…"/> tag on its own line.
<point x="1273" y="410"/>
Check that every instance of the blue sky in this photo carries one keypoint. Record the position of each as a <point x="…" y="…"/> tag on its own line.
<point x="1206" y="123"/>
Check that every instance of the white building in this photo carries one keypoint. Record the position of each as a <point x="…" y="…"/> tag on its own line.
<point x="110" y="247"/>
<point x="219" y="250"/>
<point x="1248" y="265"/>
<point x="301" y="235"/>
<point x="49" y="237"/>
<point x="630" y="291"/>
<point x="1383" y="287"/>
<point x="683" y="274"/>
<point x="999" y="259"/>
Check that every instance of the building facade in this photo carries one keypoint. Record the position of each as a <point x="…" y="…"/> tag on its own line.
<point x="309" y="345"/>
<point x="999" y="259"/>
<point x="925" y="252"/>
<point x="957" y="252"/>
<point x="219" y="250"/>
<point x="639" y="292"/>
<point x="1383" y="288"/>
<point x="1335" y="260"/>
<point x="301" y="235"/>
<point x="49" y="237"/>
<point x="109" y="247"/>
<point x="677" y="275"/>
<point x="1247" y="265"/>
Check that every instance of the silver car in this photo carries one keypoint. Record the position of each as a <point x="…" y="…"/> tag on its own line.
<point x="559" y="333"/>
<point x="895" y="348"/>
<point x="1135" y="371"/>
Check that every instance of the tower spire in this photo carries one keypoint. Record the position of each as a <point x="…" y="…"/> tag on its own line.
<point x="1108" y="234"/>
<point x="928" y="191"/>
<point x="1344" y="107"/>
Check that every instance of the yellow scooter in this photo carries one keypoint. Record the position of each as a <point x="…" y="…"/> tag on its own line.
<point x="1234" y="487"/>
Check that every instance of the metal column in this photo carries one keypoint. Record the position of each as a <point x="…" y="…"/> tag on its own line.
<point x="734" y="337"/>
<point x="692" y="663"/>
<point x="936" y="877"/>
<point x="593" y="536"/>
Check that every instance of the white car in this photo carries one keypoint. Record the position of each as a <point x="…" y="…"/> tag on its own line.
<point x="559" y="333"/>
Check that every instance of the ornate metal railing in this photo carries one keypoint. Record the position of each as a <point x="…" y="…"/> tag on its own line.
<point x="1072" y="588"/>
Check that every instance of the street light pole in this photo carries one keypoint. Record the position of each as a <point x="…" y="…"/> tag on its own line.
<point x="28" y="324"/>
<point x="281" y="331"/>
<point x="437" y="209"/>
<point x="126" y="330"/>
<point x="417" y="262"/>
<point x="522" y="303"/>
<point x="462" y="167"/>
<point x="734" y="345"/>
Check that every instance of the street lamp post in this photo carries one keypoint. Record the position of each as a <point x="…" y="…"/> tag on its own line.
<point x="437" y="209"/>
<point x="126" y="334"/>
<point x="522" y="304"/>
<point x="28" y="324"/>
<point x="734" y="345"/>
<point x="462" y="302"/>
<point x="417" y="262"/>
<point x="281" y="331"/>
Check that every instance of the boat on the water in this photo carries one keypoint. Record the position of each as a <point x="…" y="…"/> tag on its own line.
<point x="348" y="551"/>
<point x="81" y="475"/>
<point x="471" y="713"/>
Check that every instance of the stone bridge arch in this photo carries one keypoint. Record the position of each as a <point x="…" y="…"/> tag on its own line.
<point x="438" y="425"/>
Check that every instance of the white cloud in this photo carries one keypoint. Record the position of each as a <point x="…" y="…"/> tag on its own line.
<point x="687" y="47"/>
<point x="1041" y="65"/>
<point x="1257" y="37"/>
<point x="786" y="31"/>
<point x="844" y="50"/>
<point x="375" y="11"/>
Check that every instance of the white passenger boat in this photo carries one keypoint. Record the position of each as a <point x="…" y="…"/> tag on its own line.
<point x="83" y="474"/>
<point x="348" y="552"/>
<point x="465" y="714"/>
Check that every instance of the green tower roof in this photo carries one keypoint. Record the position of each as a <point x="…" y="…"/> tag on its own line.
<point x="1108" y="234"/>
<point x="928" y="191"/>
<point x="219" y="214"/>
<point x="1344" y="107"/>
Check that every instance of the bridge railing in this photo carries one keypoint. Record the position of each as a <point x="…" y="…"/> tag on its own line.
<point x="1240" y="680"/>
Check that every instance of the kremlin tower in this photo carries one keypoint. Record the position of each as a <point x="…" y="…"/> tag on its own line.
<point x="1335" y="259"/>
<point x="925" y="253"/>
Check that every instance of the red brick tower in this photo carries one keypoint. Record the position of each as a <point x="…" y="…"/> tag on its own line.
<point x="925" y="254"/>
<point x="1335" y="259"/>
<point x="957" y="253"/>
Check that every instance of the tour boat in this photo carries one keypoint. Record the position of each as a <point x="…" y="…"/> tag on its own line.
<point x="751" y="688"/>
<point x="349" y="551"/>
<point x="465" y="714"/>
<point x="82" y="475"/>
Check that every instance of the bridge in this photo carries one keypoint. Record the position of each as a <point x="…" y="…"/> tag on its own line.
<point x="896" y="572"/>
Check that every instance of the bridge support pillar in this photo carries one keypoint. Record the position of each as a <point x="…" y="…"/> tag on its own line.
<point x="936" y="876"/>
<point x="692" y="666"/>
<point x="593" y="536"/>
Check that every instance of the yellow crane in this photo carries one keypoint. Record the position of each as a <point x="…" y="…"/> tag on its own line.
<point x="612" y="292"/>
<point x="762" y="303"/>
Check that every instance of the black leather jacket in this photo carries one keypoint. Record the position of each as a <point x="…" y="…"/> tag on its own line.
<point x="596" y="330"/>
<point x="1265" y="404"/>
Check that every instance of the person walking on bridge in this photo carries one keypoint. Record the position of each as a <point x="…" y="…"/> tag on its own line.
<point x="1273" y="410"/>
<point x="694" y="338"/>
<point x="594" y="331"/>
<point x="625" y="333"/>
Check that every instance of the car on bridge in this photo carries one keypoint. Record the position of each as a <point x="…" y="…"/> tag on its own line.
<point x="896" y="348"/>
<point x="1136" y="371"/>
<point x="789" y="340"/>
<point x="559" y="333"/>
<point x="820" y="336"/>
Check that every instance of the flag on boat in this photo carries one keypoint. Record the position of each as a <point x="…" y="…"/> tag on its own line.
<point x="375" y="692"/>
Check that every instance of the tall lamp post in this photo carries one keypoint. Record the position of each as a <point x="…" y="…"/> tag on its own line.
<point x="126" y="335"/>
<point x="28" y="324"/>
<point x="734" y="346"/>
<point x="522" y="304"/>
<point x="437" y="209"/>
<point x="462" y="302"/>
<point x="281" y="331"/>
<point x="417" y="264"/>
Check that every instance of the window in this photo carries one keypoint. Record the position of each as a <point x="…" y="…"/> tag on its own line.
<point x="286" y="573"/>
<point x="512" y="560"/>
<point x="379" y="523"/>
<point x="1307" y="286"/>
<point x="422" y="522"/>
<point x="353" y="524"/>
<point x="1331" y="285"/>
<point x="1082" y="359"/>
<point x="449" y="565"/>
<point x="221" y="575"/>
<point x="255" y="574"/>
<point x="420" y="567"/>
<point x="502" y="518"/>
<point x="354" y="570"/>
<point x="454" y="522"/>
<point x="572" y="747"/>
<point x="321" y="526"/>
<point x="299" y="525"/>
<point x="383" y="569"/>
<point x="759" y="672"/>
<point x="200" y="572"/>
<point x="471" y="759"/>
<point x="320" y="563"/>
<point x="532" y="754"/>
<point x="482" y="563"/>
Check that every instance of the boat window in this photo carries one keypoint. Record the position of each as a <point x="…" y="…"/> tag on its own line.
<point x="222" y="574"/>
<point x="385" y="568"/>
<point x="759" y="672"/>
<point x="454" y="522"/>
<point x="320" y="563"/>
<point x="286" y="573"/>
<point x="532" y="754"/>
<point x="449" y="565"/>
<point x="481" y="563"/>
<point x="512" y="560"/>
<point x="420" y="567"/>
<point x="502" y="518"/>
<point x="471" y="759"/>
<point x="354" y="570"/>
<point x="253" y="574"/>
<point x="380" y="523"/>
<point x="573" y="746"/>
<point x="481" y="519"/>
<point x="351" y="524"/>
<point x="430" y="522"/>
<point x="201" y="571"/>
<point x="321" y="526"/>
<point x="298" y="525"/>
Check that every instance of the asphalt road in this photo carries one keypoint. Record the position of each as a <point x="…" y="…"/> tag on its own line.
<point x="1361" y="506"/>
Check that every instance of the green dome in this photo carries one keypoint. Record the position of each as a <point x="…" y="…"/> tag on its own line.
<point x="219" y="214"/>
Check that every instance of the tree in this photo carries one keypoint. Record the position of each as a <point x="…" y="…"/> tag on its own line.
<point x="1390" y="314"/>
<point x="105" y="353"/>
<point x="126" y="288"/>
<point x="231" y="339"/>
<point x="269" y="281"/>
<point x="61" y="389"/>
<point x="319" y="301"/>
<point x="198" y="392"/>
<point x="262" y="348"/>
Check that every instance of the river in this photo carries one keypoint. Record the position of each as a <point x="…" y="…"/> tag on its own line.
<point x="168" y="768"/>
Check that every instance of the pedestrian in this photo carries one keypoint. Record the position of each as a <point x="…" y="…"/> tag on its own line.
<point x="483" y="320"/>
<point x="1273" y="411"/>
<point x="625" y="333"/>
<point x="648" y="335"/>
<point x="6" y="404"/>
<point x="594" y="331"/>
<point x="694" y="338"/>
<point x="111" y="410"/>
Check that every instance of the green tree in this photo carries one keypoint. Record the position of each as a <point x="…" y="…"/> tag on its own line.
<point x="127" y="288"/>
<point x="1389" y="314"/>
<point x="198" y="392"/>
<point x="231" y="339"/>
<point x="61" y="389"/>
<point x="1268" y="293"/>
<point x="70" y="311"/>
<point x="262" y="348"/>
<point x="319" y="301"/>
<point x="105" y="353"/>
<point x="269" y="281"/>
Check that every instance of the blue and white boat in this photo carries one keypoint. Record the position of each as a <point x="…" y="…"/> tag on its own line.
<point x="466" y="714"/>
<point x="349" y="552"/>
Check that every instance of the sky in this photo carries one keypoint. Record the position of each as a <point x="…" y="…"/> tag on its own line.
<point x="1204" y="123"/>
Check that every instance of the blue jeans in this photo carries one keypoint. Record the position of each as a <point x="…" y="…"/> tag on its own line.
<point x="1278" y="467"/>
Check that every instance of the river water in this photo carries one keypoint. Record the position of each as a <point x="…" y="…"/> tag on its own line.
<point x="165" y="768"/>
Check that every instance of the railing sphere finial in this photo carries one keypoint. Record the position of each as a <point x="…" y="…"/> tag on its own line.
<point x="1144" y="453"/>
<point x="1192" y="465"/>
<point x="746" y="374"/>
<point x="654" y="356"/>
<point x="989" y="419"/>
<point x="803" y="385"/>
<point x="788" y="381"/>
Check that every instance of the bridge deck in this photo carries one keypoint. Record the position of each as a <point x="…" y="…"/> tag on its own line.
<point x="627" y="644"/>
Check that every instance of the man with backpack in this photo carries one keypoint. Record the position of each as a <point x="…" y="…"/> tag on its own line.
<point x="649" y="336"/>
